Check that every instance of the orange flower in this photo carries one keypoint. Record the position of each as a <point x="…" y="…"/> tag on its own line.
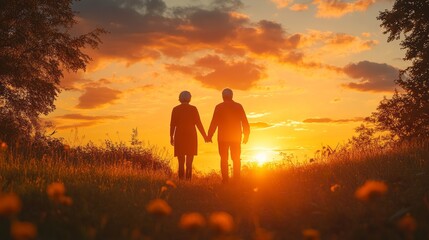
<point x="311" y="234"/>
<point x="23" y="230"/>
<point x="10" y="204"/>
<point x="262" y="234"/>
<point x="171" y="184"/>
<point x="192" y="221"/>
<point x="163" y="189"/>
<point x="3" y="145"/>
<point x="407" y="224"/>
<point x="66" y="201"/>
<point x="335" y="187"/>
<point x="55" y="191"/>
<point x="370" y="190"/>
<point x="221" y="222"/>
<point x="136" y="234"/>
<point x="158" y="207"/>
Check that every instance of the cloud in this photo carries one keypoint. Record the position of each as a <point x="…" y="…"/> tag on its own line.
<point x="149" y="30"/>
<point x="256" y="115"/>
<point x="71" y="80"/>
<point x="267" y="38"/>
<point x="374" y="77"/>
<point x="87" y="117"/>
<point x="299" y="7"/>
<point x="77" y="125"/>
<point x="95" y="97"/>
<point x="260" y="125"/>
<point x="282" y="3"/>
<point x="82" y="120"/>
<point x="214" y="72"/>
<point x="331" y="43"/>
<point x="139" y="32"/>
<point x="339" y="8"/>
<point x="329" y="120"/>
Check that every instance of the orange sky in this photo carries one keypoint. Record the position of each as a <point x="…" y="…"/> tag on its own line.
<point x="306" y="72"/>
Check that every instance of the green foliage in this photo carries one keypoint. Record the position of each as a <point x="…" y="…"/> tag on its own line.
<point x="406" y="114"/>
<point x="36" y="46"/>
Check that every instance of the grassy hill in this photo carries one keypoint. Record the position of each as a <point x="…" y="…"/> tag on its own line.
<point x="371" y="194"/>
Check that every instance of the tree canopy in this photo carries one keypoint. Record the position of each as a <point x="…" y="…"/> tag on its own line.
<point x="406" y="114"/>
<point x="36" y="46"/>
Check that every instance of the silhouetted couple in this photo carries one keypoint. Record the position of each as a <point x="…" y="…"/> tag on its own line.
<point x="229" y="119"/>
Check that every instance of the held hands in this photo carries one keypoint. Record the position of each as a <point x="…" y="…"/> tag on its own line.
<point x="207" y="139"/>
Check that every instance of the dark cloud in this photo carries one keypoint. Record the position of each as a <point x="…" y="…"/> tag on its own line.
<point x="148" y="29"/>
<point x="329" y="120"/>
<point x="268" y="37"/>
<point x="95" y="97"/>
<point x="77" y="125"/>
<point x="71" y="80"/>
<point x="87" y="117"/>
<point x="238" y="75"/>
<point x="374" y="77"/>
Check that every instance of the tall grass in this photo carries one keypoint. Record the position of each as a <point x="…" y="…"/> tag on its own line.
<point x="313" y="201"/>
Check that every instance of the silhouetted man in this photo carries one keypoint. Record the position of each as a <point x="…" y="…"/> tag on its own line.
<point x="231" y="121"/>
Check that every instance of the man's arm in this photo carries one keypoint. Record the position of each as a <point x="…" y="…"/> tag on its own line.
<point x="245" y="125"/>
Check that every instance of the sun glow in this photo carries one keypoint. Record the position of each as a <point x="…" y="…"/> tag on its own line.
<point x="261" y="158"/>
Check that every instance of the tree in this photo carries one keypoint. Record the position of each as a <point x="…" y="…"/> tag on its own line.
<point x="36" y="46"/>
<point x="406" y="114"/>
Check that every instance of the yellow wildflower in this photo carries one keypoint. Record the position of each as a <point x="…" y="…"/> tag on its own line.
<point x="158" y="207"/>
<point x="10" y="204"/>
<point x="23" y="230"/>
<point x="192" y="221"/>
<point x="371" y="189"/>
<point x="221" y="222"/>
<point x="311" y="234"/>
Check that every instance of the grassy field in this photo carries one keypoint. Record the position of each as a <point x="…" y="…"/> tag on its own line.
<point x="372" y="194"/>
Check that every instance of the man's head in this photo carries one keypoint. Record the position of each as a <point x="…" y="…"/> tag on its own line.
<point x="185" y="97"/>
<point x="227" y="94"/>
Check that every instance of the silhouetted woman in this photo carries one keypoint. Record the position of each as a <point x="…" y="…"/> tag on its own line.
<point x="183" y="135"/>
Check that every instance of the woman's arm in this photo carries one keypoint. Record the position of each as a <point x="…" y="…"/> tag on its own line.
<point x="200" y="126"/>
<point x="172" y="127"/>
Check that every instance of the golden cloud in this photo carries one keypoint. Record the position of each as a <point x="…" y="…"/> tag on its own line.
<point x="329" y="120"/>
<point x="339" y="8"/>
<point x="299" y="7"/>
<point x="282" y="3"/>
<point x="215" y="72"/>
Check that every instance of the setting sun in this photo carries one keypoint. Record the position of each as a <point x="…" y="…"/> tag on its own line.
<point x="261" y="158"/>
